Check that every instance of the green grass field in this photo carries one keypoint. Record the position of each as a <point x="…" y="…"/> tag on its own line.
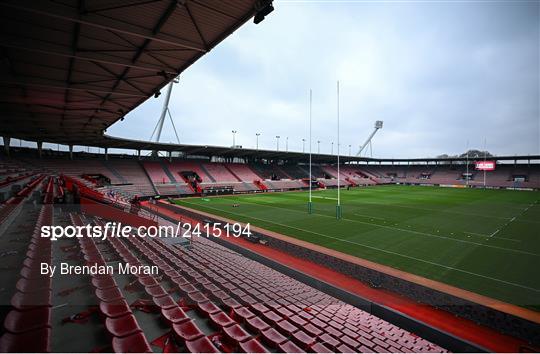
<point x="485" y="241"/>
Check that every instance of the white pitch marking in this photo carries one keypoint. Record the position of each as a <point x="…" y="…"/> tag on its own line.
<point x="405" y="230"/>
<point x="382" y="250"/>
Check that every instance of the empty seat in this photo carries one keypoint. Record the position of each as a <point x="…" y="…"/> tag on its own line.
<point x="114" y="309"/>
<point x="303" y="339"/>
<point x="221" y="319"/>
<point x="329" y="341"/>
<point x="174" y="315"/>
<point x="286" y="327"/>
<point x="231" y="303"/>
<point x="242" y="313"/>
<point x="25" y="321"/>
<point x="27" y="301"/>
<point x="122" y="326"/>
<point x="103" y="282"/>
<point x="320" y="348"/>
<point x="196" y="296"/>
<point x="134" y="343"/>
<point x="207" y="307"/>
<point x="34" y="341"/>
<point x="201" y="345"/>
<point x="155" y="290"/>
<point x="165" y="302"/>
<point x="251" y="346"/>
<point x="289" y="347"/>
<point x="109" y="294"/>
<point x="256" y="324"/>
<point x="272" y="337"/>
<point x="27" y="286"/>
<point x="187" y="330"/>
<point x="235" y="334"/>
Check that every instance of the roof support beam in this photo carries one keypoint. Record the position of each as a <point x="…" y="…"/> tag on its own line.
<point x="108" y="62"/>
<point x="65" y="13"/>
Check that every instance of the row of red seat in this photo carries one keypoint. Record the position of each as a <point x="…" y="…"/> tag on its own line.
<point x="28" y="324"/>
<point x="119" y="320"/>
<point x="248" y="304"/>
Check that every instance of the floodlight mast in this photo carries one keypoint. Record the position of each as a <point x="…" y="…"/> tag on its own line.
<point x="378" y="125"/>
<point x="165" y="110"/>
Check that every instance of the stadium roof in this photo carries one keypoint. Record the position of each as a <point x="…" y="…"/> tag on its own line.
<point x="247" y="153"/>
<point x="71" y="68"/>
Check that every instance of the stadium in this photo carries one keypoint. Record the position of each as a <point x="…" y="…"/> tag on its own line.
<point x="116" y="244"/>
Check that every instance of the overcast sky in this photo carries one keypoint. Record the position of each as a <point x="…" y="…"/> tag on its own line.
<point x="438" y="74"/>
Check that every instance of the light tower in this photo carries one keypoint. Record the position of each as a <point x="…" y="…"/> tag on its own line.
<point x="164" y="112"/>
<point x="378" y="125"/>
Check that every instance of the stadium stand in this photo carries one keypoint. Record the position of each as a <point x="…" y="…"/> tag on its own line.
<point x="207" y="299"/>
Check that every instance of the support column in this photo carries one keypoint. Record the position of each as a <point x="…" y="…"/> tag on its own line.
<point x="139" y="154"/>
<point x="7" y="140"/>
<point x="40" y="148"/>
<point x="106" y="154"/>
<point x="71" y="152"/>
<point x="170" y="156"/>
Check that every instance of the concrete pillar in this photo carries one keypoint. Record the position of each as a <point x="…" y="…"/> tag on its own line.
<point x="7" y="140"/>
<point x="106" y="154"/>
<point x="40" y="148"/>
<point x="71" y="152"/>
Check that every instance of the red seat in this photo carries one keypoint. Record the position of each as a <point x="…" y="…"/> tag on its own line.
<point x="252" y="346"/>
<point x="201" y="345"/>
<point x="312" y="330"/>
<point x="187" y="330"/>
<point x="221" y="319"/>
<point x="344" y="349"/>
<point x="256" y="324"/>
<point x="303" y="339"/>
<point x="320" y="348"/>
<point x="243" y="313"/>
<point x="289" y="347"/>
<point x="272" y="337"/>
<point x="231" y="303"/>
<point x="259" y="308"/>
<point x="208" y="307"/>
<point x="329" y="341"/>
<point x="148" y="281"/>
<point x="134" y="343"/>
<point x="187" y="288"/>
<point x="174" y="314"/>
<point x="103" y="282"/>
<point x="26" y="301"/>
<point x="285" y="312"/>
<point x="297" y="321"/>
<point x="271" y="317"/>
<point x="236" y="334"/>
<point x="286" y="327"/>
<point x="20" y="322"/>
<point x="114" y="309"/>
<point x="165" y="302"/>
<point x="155" y="290"/>
<point x="28" y="286"/>
<point x="179" y="280"/>
<point x="196" y="297"/>
<point x="37" y="341"/>
<point x="109" y="294"/>
<point x="122" y="326"/>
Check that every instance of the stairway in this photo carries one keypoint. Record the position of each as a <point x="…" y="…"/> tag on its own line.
<point x="167" y="171"/>
<point x="260" y="185"/>
<point x="206" y="172"/>
<point x="113" y="171"/>
<point x="232" y="172"/>
<point x="147" y="176"/>
<point x="351" y="182"/>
